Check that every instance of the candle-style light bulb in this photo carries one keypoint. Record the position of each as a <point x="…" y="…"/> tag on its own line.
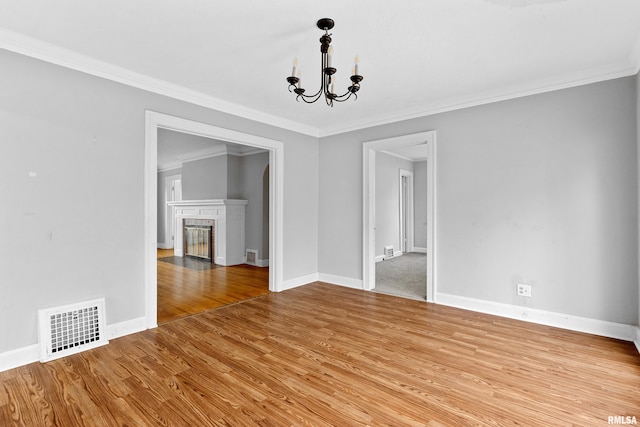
<point x="295" y="64"/>
<point x="329" y="56"/>
<point x="355" y="67"/>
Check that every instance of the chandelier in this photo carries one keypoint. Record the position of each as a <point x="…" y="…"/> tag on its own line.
<point x="327" y="71"/>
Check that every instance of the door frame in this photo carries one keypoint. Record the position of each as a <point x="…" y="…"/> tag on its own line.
<point x="155" y="121"/>
<point x="368" y="209"/>
<point x="405" y="200"/>
<point x="170" y="219"/>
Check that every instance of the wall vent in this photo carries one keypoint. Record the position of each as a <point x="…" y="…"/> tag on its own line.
<point x="252" y="257"/>
<point x="388" y="252"/>
<point x="71" y="329"/>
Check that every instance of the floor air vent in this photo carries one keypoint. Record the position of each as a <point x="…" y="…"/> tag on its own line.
<point x="252" y="256"/>
<point x="388" y="252"/>
<point x="71" y="329"/>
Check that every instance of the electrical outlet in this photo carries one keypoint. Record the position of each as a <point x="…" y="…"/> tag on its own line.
<point x="523" y="290"/>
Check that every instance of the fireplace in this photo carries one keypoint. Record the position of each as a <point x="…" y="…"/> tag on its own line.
<point x="198" y="241"/>
<point x="220" y="222"/>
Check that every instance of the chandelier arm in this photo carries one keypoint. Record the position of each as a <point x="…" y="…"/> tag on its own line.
<point x="346" y="96"/>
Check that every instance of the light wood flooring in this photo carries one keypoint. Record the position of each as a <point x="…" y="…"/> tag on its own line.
<point x="183" y="292"/>
<point x="323" y="355"/>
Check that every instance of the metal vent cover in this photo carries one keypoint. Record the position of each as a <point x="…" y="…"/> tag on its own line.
<point x="71" y="329"/>
<point x="388" y="252"/>
<point x="252" y="256"/>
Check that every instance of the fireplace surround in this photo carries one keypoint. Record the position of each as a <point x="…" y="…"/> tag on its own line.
<point x="226" y="217"/>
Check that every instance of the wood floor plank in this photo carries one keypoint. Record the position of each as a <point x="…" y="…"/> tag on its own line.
<point x="323" y="355"/>
<point x="183" y="292"/>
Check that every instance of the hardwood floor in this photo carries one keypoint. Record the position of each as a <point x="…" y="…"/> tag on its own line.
<point x="325" y="355"/>
<point x="183" y="292"/>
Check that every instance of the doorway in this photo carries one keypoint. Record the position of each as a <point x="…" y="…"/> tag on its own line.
<point x="155" y="121"/>
<point x="370" y="151"/>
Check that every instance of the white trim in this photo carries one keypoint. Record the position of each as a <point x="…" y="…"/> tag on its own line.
<point x="636" y="341"/>
<point x="153" y="121"/>
<point x="419" y="250"/>
<point x="347" y="282"/>
<point x="378" y="258"/>
<point x="127" y="327"/>
<point x="30" y="354"/>
<point x="406" y="246"/>
<point x="559" y="320"/>
<point x="483" y="99"/>
<point x="262" y="263"/>
<point x="19" y="357"/>
<point x="389" y="153"/>
<point x="51" y="53"/>
<point x="299" y="281"/>
<point x="164" y="246"/>
<point x="368" y="201"/>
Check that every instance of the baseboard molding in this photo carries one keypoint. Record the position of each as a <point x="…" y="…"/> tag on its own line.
<point x="347" y="282"/>
<point x="164" y="246"/>
<point x="637" y="340"/>
<point x="379" y="258"/>
<point x="29" y="354"/>
<point x="299" y="281"/>
<point x="262" y="263"/>
<point x="564" y="321"/>
<point x="419" y="250"/>
<point x="127" y="327"/>
<point x="19" y="357"/>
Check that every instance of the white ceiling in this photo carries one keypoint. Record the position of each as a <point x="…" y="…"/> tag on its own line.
<point x="416" y="56"/>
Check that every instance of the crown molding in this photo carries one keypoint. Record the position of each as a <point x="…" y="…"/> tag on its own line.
<point x="206" y="153"/>
<point x="389" y="153"/>
<point x="47" y="52"/>
<point x="34" y="48"/>
<point x="624" y="69"/>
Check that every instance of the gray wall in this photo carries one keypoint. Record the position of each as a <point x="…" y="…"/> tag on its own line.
<point x="420" y="204"/>
<point x="540" y="190"/>
<point x="388" y="200"/>
<point x="235" y="180"/>
<point x="76" y="230"/>
<point x="252" y="175"/>
<point x="243" y="177"/>
<point x="205" y="179"/>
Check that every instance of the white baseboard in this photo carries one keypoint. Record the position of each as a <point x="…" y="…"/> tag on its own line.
<point x="19" y="357"/>
<point x="637" y="340"/>
<point x="340" y="280"/>
<point x="127" y="327"/>
<point x="165" y="246"/>
<point x="299" y="281"/>
<point x="262" y="263"/>
<point x="29" y="354"/>
<point x="379" y="258"/>
<point x="322" y="277"/>
<point x="419" y="250"/>
<point x="565" y="321"/>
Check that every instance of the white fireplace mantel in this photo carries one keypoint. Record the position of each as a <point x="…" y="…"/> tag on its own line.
<point x="228" y="216"/>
